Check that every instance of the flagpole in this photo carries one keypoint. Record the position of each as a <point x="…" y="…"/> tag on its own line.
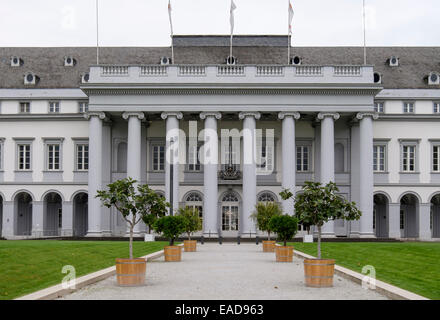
<point x="97" y="33"/>
<point x="172" y="32"/>
<point x="365" y="39"/>
<point x="288" y="32"/>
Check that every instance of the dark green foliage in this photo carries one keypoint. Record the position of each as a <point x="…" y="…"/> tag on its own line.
<point x="193" y="222"/>
<point x="285" y="226"/>
<point x="263" y="213"/>
<point x="170" y="227"/>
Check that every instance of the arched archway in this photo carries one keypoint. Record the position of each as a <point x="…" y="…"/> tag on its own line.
<point x="80" y="214"/>
<point x="23" y="214"/>
<point x="267" y="196"/>
<point x="409" y="209"/>
<point x="53" y="215"/>
<point x="194" y="200"/>
<point x="435" y="216"/>
<point x="380" y="215"/>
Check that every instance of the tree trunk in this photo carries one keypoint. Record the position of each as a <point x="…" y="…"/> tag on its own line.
<point x="268" y="235"/>
<point x="319" y="242"/>
<point x="172" y="242"/>
<point x="189" y="235"/>
<point x="131" y="242"/>
<point x="285" y="243"/>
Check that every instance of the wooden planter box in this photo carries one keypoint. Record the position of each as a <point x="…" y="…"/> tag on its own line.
<point x="131" y="272"/>
<point x="268" y="246"/>
<point x="190" y="245"/>
<point x="319" y="272"/>
<point x="284" y="254"/>
<point x="173" y="253"/>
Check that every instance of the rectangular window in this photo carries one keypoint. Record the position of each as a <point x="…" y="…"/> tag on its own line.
<point x="379" y="158"/>
<point x="82" y="157"/>
<point x="408" y="107"/>
<point x="53" y="157"/>
<point x="378" y="107"/>
<point x="436" y="107"/>
<point x="409" y="158"/>
<point x="193" y="158"/>
<point x="435" y="158"/>
<point x="54" y="107"/>
<point x="24" y="157"/>
<point x="83" y="107"/>
<point x="1" y="154"/>
<point x="158" y="158"/>
<point x="25" y="107"/>
<point x="302" y="158"/>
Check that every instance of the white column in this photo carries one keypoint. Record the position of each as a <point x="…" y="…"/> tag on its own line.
<point x="95" y="172"/>
<point x="134" y="150"/>
<point x="210" y="173"/>
<point x="249" y="171"/>
<point x="172" y="158"/>
<point x="328" y="159"/>
<point x="366" y="178"/>
<point x="288" y="156"/>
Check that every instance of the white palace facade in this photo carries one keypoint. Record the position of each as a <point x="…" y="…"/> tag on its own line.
<point x="220" y="137"/>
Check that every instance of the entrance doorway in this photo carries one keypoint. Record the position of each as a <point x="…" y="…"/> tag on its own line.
<point x="435" y="216"/>
<point x="230" y="214"/>
<point x="380" y="216"/>
<point x="408" y="216"/>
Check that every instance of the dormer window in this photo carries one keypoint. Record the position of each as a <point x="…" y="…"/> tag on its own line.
<point x="69" y="61"/>
<point x="25" y="107"/>
<point x="83" y="107"/>
<point x="16" y="61"/>
<point x="378" y="107"/>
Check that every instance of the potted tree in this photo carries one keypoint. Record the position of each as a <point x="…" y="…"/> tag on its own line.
<point x="192" y="224"/>
<point x="262" y="215"/>
<point x="171" y="227"/>
<point x="155" y="212"/>
<point x="133" y="202"/>
<point x="286" y="227"/>
<point x="317" y="205"/>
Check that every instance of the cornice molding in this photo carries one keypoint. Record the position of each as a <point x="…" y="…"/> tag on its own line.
<point x="178" y="115"/>
<point x="204" y="115"/>
<point x="295" y="115"/>
<point x="139" y="115"/>
<point x="245" y="114"/>
<point x="233" y="91"/>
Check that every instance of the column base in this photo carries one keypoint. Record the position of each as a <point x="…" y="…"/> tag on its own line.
<point x="250" y="235"/>
<point x="67" y="233"/>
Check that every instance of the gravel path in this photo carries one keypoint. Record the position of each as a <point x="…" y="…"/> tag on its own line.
<point x="225" y="272"/>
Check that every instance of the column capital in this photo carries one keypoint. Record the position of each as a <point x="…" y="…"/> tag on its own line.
<point x="178" y="115"/>
<point x="245" y="114"/>
<point x="140" y="115"/>
<point x="101" y="115"/>
<point x="323" y="115"/>
<point x="204" y="115"/>
<point x="361" y="115"/>
<point x="295" y="115"/>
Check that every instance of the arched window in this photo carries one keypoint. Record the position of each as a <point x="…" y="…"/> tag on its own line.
<point x="266" y="197"/>
<point x="230" y="197"/>
<point x="194" y="200"/>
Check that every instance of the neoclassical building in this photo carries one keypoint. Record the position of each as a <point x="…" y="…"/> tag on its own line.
<point x="219" y="136"/>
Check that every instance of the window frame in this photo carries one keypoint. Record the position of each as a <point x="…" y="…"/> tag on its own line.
<point x="77" y="145"/>
<point x="436" y="105"/>
<point x="2" y="151"/>
<point x="434" y="143"/>
<point x="304" y="143"/>
<point x="263" y="168"/>
<point x="197" y="158"/>
<point x="28" y="103"/>
<point x="385" y="157"/>
<point x="47" y="143"/>
<point x="57" y="108"/>
<point x="376" y="103"/>
<point x="18" y="143"/>
<point x="85" y="104"/>
<point x="153" y="146"/>
<point x="409" y="143"/>
<point x="413" y="103"/>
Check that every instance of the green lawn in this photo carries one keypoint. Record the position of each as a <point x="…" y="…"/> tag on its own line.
<point x="30" y="265"/>
<point x="414" y="266"/>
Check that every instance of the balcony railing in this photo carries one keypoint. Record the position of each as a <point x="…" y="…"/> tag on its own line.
<point x="230" y="74"/>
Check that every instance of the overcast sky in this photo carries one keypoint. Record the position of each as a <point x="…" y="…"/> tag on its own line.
<point x="145" y="22"/>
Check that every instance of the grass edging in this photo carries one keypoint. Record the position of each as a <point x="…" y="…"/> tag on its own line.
<point x="384" y="288"/>
<point x="57" y="291"/>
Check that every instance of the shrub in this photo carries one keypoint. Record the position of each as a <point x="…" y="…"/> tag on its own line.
<point x="285" y="226"/>
<point x="170" y="227"/>
<point x="192" y="220"/>
<point x="263" y="213"/>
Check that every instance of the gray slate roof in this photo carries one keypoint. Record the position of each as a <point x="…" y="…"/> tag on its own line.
<point x="48" y="63"/>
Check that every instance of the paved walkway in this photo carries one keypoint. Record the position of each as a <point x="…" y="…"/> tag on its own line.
<point x="225" y="272"/>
